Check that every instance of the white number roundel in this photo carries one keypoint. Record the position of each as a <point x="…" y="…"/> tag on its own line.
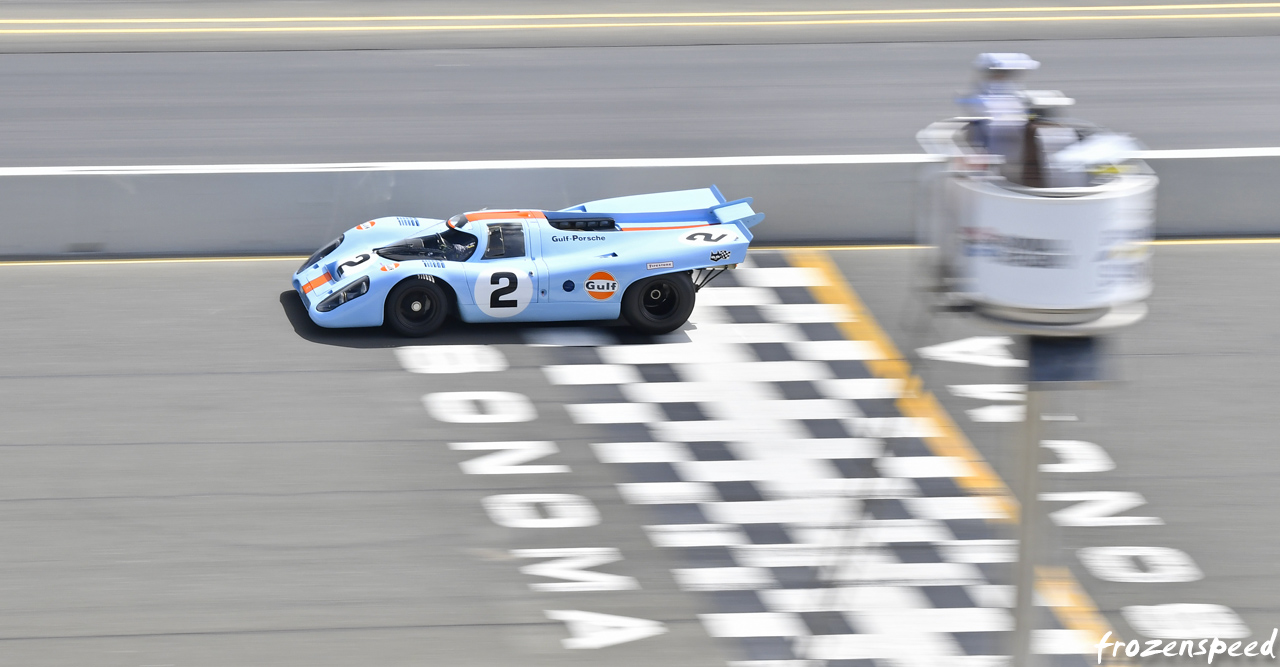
<point x="503" y="292"/>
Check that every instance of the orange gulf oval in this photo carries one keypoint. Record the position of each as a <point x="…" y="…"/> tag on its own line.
<point x="601" y="285"/>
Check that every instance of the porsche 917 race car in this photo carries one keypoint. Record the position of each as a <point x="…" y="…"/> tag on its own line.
<point x="641" y="257"/>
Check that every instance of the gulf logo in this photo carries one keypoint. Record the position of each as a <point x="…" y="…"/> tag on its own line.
<point x="601" y="285"/>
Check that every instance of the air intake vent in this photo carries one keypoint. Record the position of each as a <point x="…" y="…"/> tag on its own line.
<point x="584" y="224"/>
<point x="408" y="222"/>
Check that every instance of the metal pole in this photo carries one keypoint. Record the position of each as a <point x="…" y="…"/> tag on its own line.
<point x="1028" y="530"/>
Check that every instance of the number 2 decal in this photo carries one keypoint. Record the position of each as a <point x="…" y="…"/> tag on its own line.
<point x="501" y="292"/>
<point x="705" y="237"/>
<point x="495" y="297"/>
<point x="360" y="259"/>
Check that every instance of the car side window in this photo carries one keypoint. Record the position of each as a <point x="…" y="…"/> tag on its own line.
<point x="506" y="239"/>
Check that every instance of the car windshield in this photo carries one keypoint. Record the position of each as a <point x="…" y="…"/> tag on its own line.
<point x="450" y="245"/>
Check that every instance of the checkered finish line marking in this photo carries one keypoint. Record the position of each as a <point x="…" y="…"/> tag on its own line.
<point x="826" y="505"/>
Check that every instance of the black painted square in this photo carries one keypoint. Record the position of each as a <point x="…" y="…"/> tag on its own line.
<point x="736" y="602"/>
<point x="678" y="513"/>
<point x="658" y="373"/>
<point x="915" y="552"/>
<point x="798" y="390"/>
<point x="794" y="294"/>
<point x="767" y="648"/>
<point x="849" y="368"/>
<point x="745" y="314"/>
<point x="878" y="407"/>
<point x="767" y="533"/>
<point x="907" y="447"/>
<point x="973" y="529"/>
<point x="682" y="412"/>
<point x="711" y="451"/>
<point x="769" y="260"/>
<point x="939" y="487"/>
<point x="826" y="622"/>
<point x="708" y="557"/>
<point x="948" y="597"/>
<point x="825" y="428"/>
<point x="983" y="643"/>
<point x="738" y="491"/>
<point x="821" y="331"/>
<point x="860" y="468"/>
<point x="797" y="577"/>
<point x="575" y="355"/>
<point x="771" y="351"/>
<point x="652" y="472"/>
<point x="887" y="508"/>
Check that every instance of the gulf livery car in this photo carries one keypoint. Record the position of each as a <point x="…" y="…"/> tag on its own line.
<point x="641" y="257"/>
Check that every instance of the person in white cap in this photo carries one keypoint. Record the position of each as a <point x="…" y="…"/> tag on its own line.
<point x="998" y="99"/>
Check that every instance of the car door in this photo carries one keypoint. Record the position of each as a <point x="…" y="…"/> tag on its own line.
<point x="504" y="280"/>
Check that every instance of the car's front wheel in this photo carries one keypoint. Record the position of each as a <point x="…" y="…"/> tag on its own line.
<point x="416" y="307"/>
<point x="659" y="304"/>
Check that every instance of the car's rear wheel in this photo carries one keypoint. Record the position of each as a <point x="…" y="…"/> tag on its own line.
<point x="417" y="307"/>
<point x="659" y="304"/>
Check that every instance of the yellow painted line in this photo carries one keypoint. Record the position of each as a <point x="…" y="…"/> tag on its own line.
<point x="916" y="402"/>
<point x="1072" y="606"/>
<point x="646" y="15"/>
<point x="174" y="260"/>
<point x="643" y="24"/>
<point x="1243" y="241"/>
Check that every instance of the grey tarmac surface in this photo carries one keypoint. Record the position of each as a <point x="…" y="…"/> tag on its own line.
<point x="1187" y="420"/>
<point x="1207" y="85"/>
<point x="191" y="475"/>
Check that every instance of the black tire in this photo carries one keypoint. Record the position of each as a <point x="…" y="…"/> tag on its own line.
<point x="659" y="304"/>
<point x="417" y="307"/>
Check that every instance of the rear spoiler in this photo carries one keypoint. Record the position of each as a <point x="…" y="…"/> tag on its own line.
<point x="666" y="207"/>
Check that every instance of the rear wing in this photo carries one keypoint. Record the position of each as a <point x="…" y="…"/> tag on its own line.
<point x="704" y="206"/>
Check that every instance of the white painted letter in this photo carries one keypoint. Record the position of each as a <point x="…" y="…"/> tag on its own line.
<point x="978" y="350"/>
<point x="480" y="407"/>
<point x="1077" y="456"/>
<point x="1185" y="621"/>
<point x="509" y="459"/>
<point x="990" y="392"/>
<point x="436" y="359"/>
<point x="1096" y="508"/>
<point x="1159" y="565"/>
<point x="572" y="564"/>
<point x="521" y="510"/>
<point x="592" y="630"/>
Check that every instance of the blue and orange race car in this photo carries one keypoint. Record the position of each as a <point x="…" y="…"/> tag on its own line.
<point x="641" y="257"/>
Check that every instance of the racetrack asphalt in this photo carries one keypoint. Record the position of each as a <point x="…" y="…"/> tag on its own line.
<point x="194" y="475"/>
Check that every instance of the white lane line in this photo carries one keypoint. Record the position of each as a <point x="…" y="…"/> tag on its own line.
<point x="602" y="163"/>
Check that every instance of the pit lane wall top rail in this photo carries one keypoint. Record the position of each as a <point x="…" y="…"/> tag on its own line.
<point x="295" y="208"/>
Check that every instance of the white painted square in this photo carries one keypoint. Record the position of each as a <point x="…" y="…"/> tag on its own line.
<point x="804" y="313"/>
<point x="676" y="353"/>
<point x="782" y="276"/>
<point x="755" y="371"/>
<point x="967" y="507"/>
<point x="730" y="471"/>
<point x="888" y="531"/>
<point x="723" y="578"/>
<point x="805" y="408"/>
<point x="914" y="574"/>
<point x="916" y="467"/>
<point x="754" y="624"/>
<point x="979" y="551"/>
<point x="802" y="511"/>
<point x="737" y="296"/>
<point x="696" y="535"/>
<point x="733" y="430"/>
<point x="810" y="448"/>
<point x="860" y="388"/>
<point x="868" y="487"/>
<point x="699" y="392"/>
<point x="667" y="493"/>
<point x="950" y="619"/>
<point x="578" y="374"/>
<point x="640" y="452"/>
<point x="895" y="427"/>
<point x="835" y="350"/>
<point x="1063" y="642"/>
<point x="749" y="332"/>
<point x="569" y="337"/>
<point x="614" y="413"/>
<point x="850" y="647"/>
<point x="784" y="555"/>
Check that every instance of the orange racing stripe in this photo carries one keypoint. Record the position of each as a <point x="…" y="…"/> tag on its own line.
<point x="503" y="215"/>
<point x="322" y="280"/>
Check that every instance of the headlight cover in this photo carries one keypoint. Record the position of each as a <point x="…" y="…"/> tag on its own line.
<point x="321" y="253"/>
<point x="357" y="289"/>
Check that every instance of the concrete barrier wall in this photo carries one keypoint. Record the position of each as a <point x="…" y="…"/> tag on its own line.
<point x="142" y="212"/>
